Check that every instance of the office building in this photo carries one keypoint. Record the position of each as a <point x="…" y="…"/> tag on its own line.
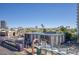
<point x="78" y="21"/>
<point x="3" y="24"/>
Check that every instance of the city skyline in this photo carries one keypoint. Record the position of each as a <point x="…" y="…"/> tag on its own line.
<point x="31" y="15"/>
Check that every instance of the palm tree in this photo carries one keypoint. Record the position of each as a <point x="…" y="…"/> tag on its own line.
<point x="42" y="26"/>
<point x="36" y="27"/>
<point x="63" y="29"/>
<point x="43" y="29"/>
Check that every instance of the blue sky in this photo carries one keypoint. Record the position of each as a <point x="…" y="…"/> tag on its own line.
<point x="30" y="15"/>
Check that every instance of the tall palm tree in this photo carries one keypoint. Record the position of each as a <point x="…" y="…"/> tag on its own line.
<point x="36" y="27"/>
<point x="43" y="28"/>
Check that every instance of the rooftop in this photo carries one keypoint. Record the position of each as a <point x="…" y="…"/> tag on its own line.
<point x="46" y="33"/>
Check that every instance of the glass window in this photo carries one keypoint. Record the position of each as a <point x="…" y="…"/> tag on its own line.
<point x="55" y="39"/>
<point x="48" y="39"/>
<point x="58" y="39"/>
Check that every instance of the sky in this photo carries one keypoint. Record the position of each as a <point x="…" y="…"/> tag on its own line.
<point x="31" y="15"/>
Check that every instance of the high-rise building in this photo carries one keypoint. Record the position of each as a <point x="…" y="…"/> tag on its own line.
<point x="3" y="24"/>
<point x="78" y="20"/>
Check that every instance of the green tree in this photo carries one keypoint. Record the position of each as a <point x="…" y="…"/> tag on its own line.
<point x="63" y="29"/>
<point x="67" y="34"/>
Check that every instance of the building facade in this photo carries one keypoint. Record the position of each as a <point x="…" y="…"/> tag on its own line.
<point x="51" y="39"/>
<point x="3" y="24"/>
<point x="78" y="21"/>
